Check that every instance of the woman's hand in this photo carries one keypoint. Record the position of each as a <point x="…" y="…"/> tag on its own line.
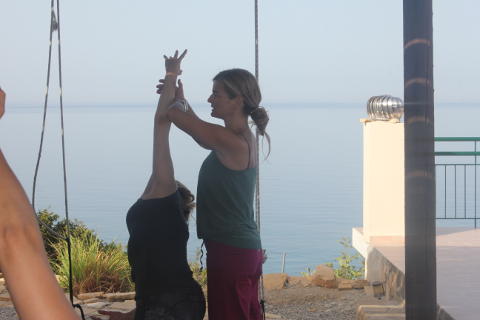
<point x="2" y="102"/>
<point x="180" y="101"/>
<point x="179" y="95"/>
<point x="172" y="64"/>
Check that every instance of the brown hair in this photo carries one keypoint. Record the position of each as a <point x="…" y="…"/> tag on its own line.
<point x="240" y="82"/>
<point x="188" y="199"/>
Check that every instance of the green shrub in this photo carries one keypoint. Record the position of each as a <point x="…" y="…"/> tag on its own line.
<point x="50" y="221"/>
<point x="348" y="265"/>
<point x="94" y="267"/>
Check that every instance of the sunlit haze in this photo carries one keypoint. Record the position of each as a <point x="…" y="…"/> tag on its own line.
<point x="310" y="51"/>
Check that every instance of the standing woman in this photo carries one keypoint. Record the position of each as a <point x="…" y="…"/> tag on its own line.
<point x="225" y="193"/>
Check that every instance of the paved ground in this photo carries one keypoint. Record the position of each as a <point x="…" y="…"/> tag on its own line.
<point x="296" y="303"/>
<point x="318" y="303"/>
<point x="458" y="262"/>
<point x="7" y="313"/>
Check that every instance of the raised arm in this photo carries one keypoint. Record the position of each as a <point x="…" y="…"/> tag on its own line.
<point x="180" y="97"/>
<point x="162" y="180"/>
<point x="226" y="144"/>
<point x="23" y="261"/>
<point x="208" y="135"/>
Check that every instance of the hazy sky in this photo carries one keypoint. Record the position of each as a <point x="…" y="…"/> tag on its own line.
<point x="310" y="50"/>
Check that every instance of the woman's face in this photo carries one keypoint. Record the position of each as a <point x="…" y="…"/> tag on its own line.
<point x="222" y="104"/>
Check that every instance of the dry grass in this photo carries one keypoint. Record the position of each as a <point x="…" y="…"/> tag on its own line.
<point x="94" y="267"/>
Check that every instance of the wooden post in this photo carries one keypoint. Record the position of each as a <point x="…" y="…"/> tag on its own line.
<point x="283" y="262"/>
<point x="420" y="248"/>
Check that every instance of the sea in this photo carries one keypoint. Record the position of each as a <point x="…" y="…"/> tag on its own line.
<point x="311" y="181"/>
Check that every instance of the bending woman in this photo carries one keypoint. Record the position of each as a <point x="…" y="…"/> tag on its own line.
<point x="32" y="285"/>
<point x="226" y="186"/>
<point x="157" y="223"/>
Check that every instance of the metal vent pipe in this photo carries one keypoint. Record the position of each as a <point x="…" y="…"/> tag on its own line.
<point x="384" y="107"/>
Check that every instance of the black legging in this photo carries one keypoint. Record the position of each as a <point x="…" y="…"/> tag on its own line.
<point x="179" y="304"/>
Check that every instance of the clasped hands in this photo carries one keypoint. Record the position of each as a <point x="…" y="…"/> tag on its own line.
<point x="172" y="68"/>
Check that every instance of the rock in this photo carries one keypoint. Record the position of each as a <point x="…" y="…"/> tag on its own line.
<point x="331" y="284"/>
<point x="97" y="305"/>
<point x="324" y="272"/>
<point x="360" y="283"/>
<point x="345" y="284"/>
<point x="100" y="317"/>
<point x="324" y="277"/>
<point x="384" y="312"/>
<point x="119" y="296"/>
<point x="90" y="295"/>
<point x="92" y="300"/>
<point x="298" y="281"/>
<point x="274" y="281"/>
<point x="5" y="297"/>
<point x="123" y="306"/>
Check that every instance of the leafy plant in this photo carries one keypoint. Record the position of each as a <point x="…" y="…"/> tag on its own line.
<point x="199" y="273"/>
<point x="348" y="265"/>
<point x="50" y="222"/>
<point x="94" y="266"/>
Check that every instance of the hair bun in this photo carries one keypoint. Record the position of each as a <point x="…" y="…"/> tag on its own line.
<point x="260" y="117"/>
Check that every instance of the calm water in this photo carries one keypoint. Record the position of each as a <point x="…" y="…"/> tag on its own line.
<point x="311" y="183"/>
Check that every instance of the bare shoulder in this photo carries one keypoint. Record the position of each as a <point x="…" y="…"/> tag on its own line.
<point x="240" y="152"/>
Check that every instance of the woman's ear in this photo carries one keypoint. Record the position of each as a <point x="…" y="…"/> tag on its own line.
<point x="239" y="101"/>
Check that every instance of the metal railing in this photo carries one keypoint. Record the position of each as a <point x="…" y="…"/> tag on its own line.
<point x="457" y="179"/>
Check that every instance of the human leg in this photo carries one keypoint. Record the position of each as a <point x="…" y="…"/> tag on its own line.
<point x="233" y="275"/>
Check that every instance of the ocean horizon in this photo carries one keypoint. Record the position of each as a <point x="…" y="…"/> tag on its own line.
<point x="311" y="183"/>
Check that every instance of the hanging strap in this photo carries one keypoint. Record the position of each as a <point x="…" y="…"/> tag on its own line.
<point x="55" y="26"/>
<point x="257" y="189"/>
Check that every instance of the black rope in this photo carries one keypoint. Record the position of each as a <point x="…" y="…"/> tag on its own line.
<point x="201" y="256"/>
<point x="52" y="17"/>
<point x="55" y="26"/>
<point x="65" y="189"/>
<point x="80" y="308"/>
<point x="257" y="138"/>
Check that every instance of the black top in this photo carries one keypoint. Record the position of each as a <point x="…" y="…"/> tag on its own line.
<point x="157" y="248"/>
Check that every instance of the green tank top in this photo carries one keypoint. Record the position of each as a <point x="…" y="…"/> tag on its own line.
<point x="225" y="205"/>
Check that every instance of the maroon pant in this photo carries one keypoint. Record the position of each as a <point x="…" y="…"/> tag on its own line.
<point x="233" y="275"/>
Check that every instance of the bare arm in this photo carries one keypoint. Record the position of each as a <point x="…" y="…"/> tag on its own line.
<point x="208" y="135"/>
<point x="23" y="261"/>
<point x="191" y="112"/>
<point x="162" y="180"/>
<point x="179" y="95"/>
